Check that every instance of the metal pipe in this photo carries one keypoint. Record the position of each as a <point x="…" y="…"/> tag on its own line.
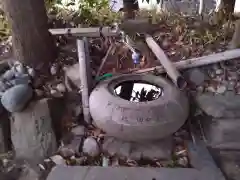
<point x="197" y="62"/>
<point x="86" y="32"/>
<point x="84" y="80"/>
<point x="201" y="6"/>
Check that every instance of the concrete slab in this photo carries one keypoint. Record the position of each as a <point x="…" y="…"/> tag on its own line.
<point x="223" y="133"/>
<point x="32" y="134"/>
<point x="124" y="173"/>
<point x="201" y="159"/>
<point x="204" y="168"/>
<point x="148" y="150"/>
<point x="229" y="162"/>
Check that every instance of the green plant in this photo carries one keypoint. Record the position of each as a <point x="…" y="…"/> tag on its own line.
<point x="50" y="3"/>
<point x="95" y="12"/>
<point x="90" y="12"/>
<point x="4" y="27"/>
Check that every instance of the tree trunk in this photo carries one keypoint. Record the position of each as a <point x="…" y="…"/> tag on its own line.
<point x="225" y="5"/>
<point x="129" y="7"/>
<point x="32" y="43"/>
<point x="126" y="90"/>
<point x="229" y="5"/>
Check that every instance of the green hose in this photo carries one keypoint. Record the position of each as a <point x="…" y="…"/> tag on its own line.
<point x="104" y="77"/>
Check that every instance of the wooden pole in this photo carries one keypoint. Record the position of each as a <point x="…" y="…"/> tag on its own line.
<point x="166" y="63"/>
<point x="199" y="61"/>
<point x="104" y="60"/>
